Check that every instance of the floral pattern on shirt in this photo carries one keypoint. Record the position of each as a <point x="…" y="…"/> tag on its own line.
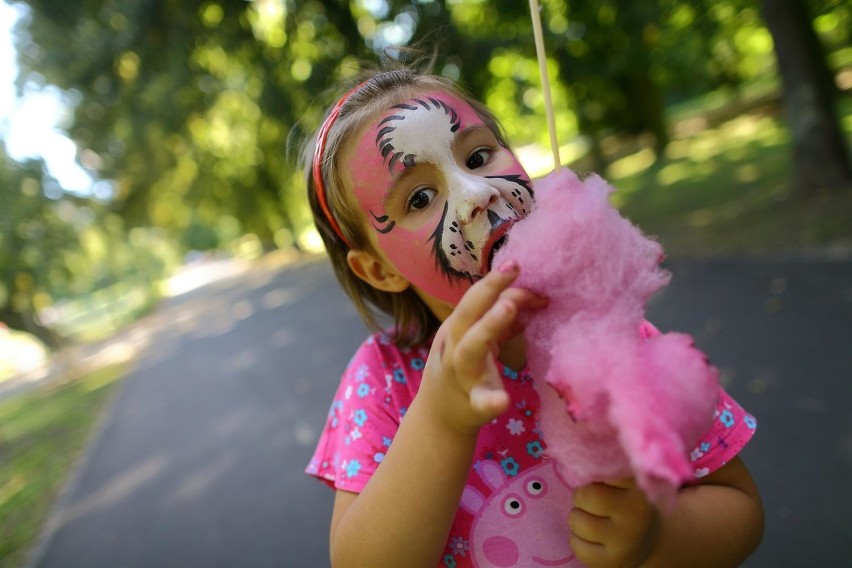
<point x="379" y="385"/>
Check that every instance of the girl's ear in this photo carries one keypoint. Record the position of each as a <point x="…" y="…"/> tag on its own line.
<point x="376" y="272"/>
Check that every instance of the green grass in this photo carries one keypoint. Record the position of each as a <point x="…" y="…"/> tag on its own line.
<point x="723" y="190"/>
<point x="104" y="312"/>
<point x="41" y="435"/>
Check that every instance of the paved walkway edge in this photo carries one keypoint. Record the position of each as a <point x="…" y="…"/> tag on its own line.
<point x="56" y="514"/>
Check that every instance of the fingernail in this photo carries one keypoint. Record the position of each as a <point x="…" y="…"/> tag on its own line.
<point x="508" y="267"/>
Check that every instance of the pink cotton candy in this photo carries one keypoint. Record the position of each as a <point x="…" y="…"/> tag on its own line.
<point x="615" y="402"/>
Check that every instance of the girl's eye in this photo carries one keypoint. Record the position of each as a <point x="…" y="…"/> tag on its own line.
<point x="421" y="199"/>
<point x="479" y="158"/>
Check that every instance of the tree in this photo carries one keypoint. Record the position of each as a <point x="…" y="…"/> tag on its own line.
<point x="33" y="240"/>
<point x="820" y="157"/>
<point x="188" y="106"/>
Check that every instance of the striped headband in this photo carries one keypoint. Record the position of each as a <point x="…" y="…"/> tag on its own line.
<point x="316" y="168"/>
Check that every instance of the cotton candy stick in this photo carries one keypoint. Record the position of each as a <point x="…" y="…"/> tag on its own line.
<point x="535" y="14"/>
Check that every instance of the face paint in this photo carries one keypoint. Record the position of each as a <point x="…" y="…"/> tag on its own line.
<point x="438" y="190"/>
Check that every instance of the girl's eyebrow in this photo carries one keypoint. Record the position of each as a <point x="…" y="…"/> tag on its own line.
<point x="397" y="179"/>
<point x="469" y="131"/>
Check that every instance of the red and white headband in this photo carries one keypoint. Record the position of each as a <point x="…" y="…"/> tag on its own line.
<point x="316" y="166"/>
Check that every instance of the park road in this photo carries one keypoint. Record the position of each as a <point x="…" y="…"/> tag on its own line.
<point x="199" y="462"/>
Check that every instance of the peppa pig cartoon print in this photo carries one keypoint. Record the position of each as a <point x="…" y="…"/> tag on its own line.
<point x="524" y="521"/>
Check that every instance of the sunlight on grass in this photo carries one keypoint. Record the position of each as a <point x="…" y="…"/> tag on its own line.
<point x="20" y="353"/>
<point x="678" y="149"/>
<point x="41" y="436"/>
<point x="701" y="218"/>
<point x="704" y="147"/>
<point x="101" y="313"/>
<point x="724" y="190"/>
<point x="747" y="173"/>
<point x="538" y="160"/>
<point x="722" y="185"/>
<point x="746" y="127"/>
<point x="632" y="164"/>
<point x="673" y="173"/>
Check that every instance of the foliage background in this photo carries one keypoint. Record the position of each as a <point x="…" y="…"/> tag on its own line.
<point x="188" y="117"/>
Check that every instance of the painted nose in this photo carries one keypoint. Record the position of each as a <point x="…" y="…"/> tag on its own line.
<point x="475" y="196"/>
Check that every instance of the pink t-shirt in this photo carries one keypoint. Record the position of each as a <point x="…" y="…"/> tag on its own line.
<point x="514" y="508"/>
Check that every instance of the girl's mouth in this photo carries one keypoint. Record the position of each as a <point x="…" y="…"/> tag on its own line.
<point x="498" y="244"/>
<point x="495" y="242"/>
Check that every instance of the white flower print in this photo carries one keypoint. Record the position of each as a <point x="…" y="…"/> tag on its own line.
<point x="362" y="372"/>
<point x="515" y="426"/>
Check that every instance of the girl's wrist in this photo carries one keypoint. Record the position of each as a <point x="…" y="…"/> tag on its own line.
<point x="442" y="419"/>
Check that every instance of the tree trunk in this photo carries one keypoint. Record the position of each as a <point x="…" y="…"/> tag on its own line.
<point x="820" y="159"/>
<point x="596" y="161"/>
<point x="646" y="111"/>
<point x="26" y="322"/>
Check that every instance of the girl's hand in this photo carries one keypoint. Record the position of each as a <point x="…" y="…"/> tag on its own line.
<point x="612" y="524"/>
<point x="462" y="385"/>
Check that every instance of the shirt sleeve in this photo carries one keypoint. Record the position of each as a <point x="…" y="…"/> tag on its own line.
<point x="360" y="425"/>
<point x="731" y="430"/>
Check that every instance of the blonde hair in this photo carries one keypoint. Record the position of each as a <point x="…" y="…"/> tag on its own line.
<point x="413" y="320"/>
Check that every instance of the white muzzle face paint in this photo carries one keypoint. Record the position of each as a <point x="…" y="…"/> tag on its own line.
<point x="438" y="189"/>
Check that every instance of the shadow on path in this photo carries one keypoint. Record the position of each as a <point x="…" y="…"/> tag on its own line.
<point x="200" y="461"/>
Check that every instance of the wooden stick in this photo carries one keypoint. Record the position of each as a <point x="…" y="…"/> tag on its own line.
<point x="535" y="13"/>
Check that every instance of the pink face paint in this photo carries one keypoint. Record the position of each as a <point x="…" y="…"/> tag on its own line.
<point x="438" y="190"/>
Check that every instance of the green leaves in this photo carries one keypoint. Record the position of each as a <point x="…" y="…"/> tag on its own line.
<point x="190" y="108"/>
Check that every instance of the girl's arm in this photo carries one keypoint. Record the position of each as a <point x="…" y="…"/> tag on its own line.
<point x="717" y="522"/>
<point x="404" y="513"/>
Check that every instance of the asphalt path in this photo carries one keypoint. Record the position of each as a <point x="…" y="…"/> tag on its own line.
<point x="199" y="461"/>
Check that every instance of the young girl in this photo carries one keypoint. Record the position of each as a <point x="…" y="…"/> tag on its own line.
<point x="431" y="442"/>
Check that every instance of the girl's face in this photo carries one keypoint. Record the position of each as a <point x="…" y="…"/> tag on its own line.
<point x="438" y="191"/>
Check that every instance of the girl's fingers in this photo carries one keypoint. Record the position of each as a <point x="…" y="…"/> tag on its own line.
<point x="525" y="299"/>
<point x="481" y="339"/>
<point x="597" y="498"/>
<point x="588" y="527"/>
<point x="481" y="297"/>
<point x="589" y="553"/>
<point x="493" y="306"/>
<point x="488" y="401"/>
<point x="485" y="317"/>
<point x="625" y="483"/>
